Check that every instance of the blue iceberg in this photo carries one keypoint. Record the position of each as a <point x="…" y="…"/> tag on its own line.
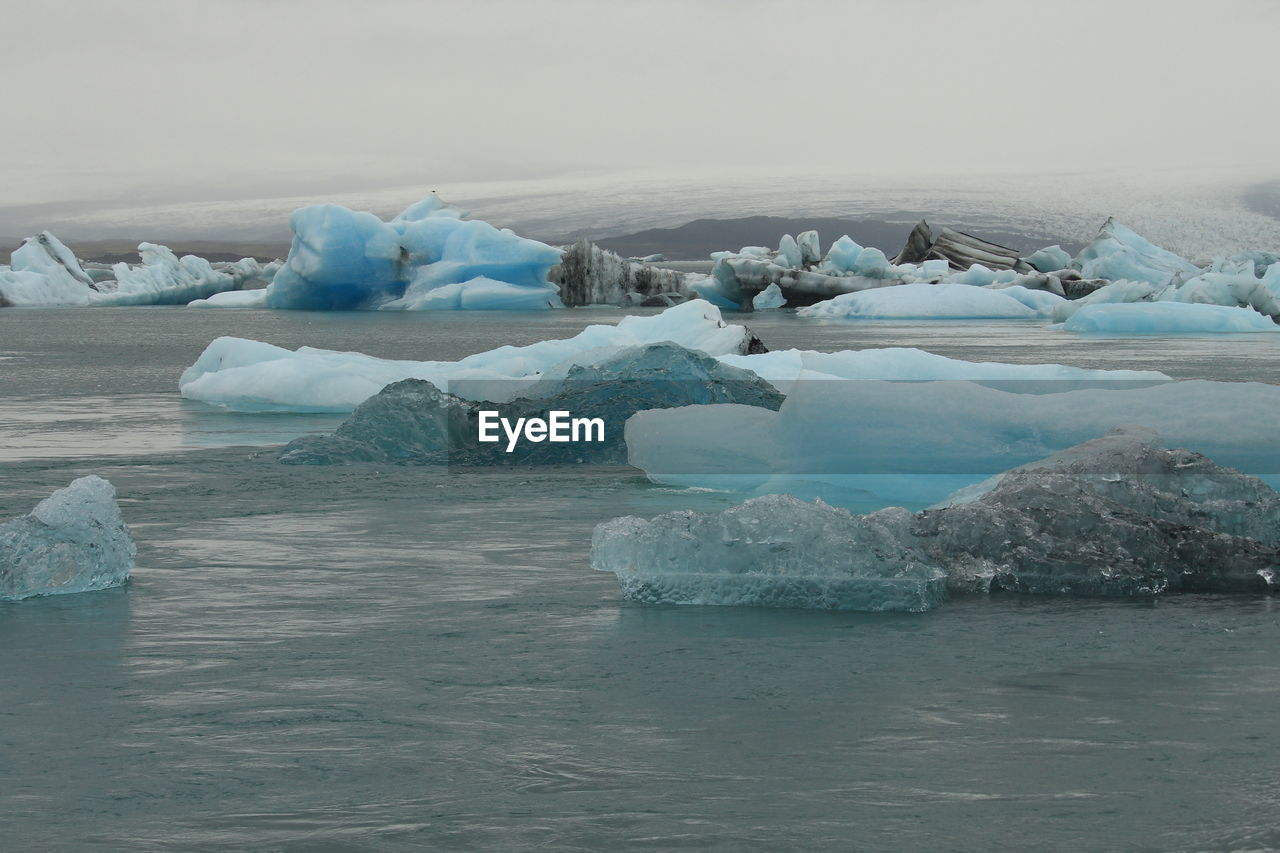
<point x="426" y="258"/>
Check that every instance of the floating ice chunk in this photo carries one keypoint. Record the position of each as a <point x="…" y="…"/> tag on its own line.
<point x="46" y="255"/>
<point x="1120" y="253"/>
<point x="810" y="248"/>
<point x="874" y="444"/>
<point x="773" y="551"/>
<point x="872" y="263"/>
<point x="163" y="279"/>
<point x="1042" y="302"/>
<point x="340" y="259"/>
<point x="253" y="376"/>
<point x="783" y="367"/>
<point x="938" y="301"/>
<point x="28" y="289"/>
<point x="1239" y="288"/>
<point x="843" y="254"/>
<point x="1115" y="516"/>
<point x="413" y="422"/>
<point x="478" y="294"/>
<point x="233" y="299"/>
<point x="1163" y="318"/>
<point x="788" y="253"/>
<point x="590" y="275"/>
<point x="977" y="275"/>
<point x="770" y="297"/>
<point x="73" y="541"/>
<point x="43" y="271"/>
<point x="347" y="260"/>
<point x="1049" y="259"/>
<point x="1116" y="292"/>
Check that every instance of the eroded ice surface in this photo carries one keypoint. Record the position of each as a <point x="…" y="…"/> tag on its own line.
<point x="874" y="444"/>
<point x="73" y="541"/>
<point x="1115" y="516"/>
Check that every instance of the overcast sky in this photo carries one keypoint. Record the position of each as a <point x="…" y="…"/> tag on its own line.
<point x="208" y="99"/>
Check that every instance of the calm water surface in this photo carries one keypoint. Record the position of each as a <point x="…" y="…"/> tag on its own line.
<point x="393" y="659"/>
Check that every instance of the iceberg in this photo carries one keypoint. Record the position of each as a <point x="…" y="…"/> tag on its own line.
<point x="73" y="541"/>
<point x="252" y="376"/>
<point x="164" y="279"/>
<point x="1049" y="259"/>
<point x="1164" y="318"/>
<point x="773" y="551"/>
<point x="1115" y="516"/>
<point x="875" y="444"/>
<point x="904" y="364"/>
<point x="1116" y="292"/>
<point x="936" y="301"/>
<point x="590" y="275"/>
<point x="1118" y="252"/>
<point x="768" y="299"/>
<point x="413" y="422"/>
<point x="233" y="299"/>
<point x="347" y="260"/>
<point x="43" y="271"/>
<point x="951" y="258"/>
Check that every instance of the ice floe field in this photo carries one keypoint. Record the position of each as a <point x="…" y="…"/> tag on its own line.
<point x="384" y="655"/>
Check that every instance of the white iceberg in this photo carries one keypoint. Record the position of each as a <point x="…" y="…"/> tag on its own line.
<point x="1049" y="259"/>
<point x="906" y="364"/>
<point x="253" y="376"/>
<point x="43" y="271"/>
<point x="769" y="552"/>
<point x="936" y="301"/>
<point x="1118" y="252"/>
<point x="1164" y="318"/>
<point x="73" y="541"/>
<point x="164" y="279"/>
<point x="233" y="299"/>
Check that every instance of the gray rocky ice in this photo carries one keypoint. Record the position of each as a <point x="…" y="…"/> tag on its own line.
<point x="1119" y="515"/>
<point x="75" y="540"/>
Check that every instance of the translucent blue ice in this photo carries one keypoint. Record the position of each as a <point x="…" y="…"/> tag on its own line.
<point x="426" y="258"/>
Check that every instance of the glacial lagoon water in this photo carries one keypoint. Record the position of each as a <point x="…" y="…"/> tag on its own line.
<point x="374" y="658"/>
